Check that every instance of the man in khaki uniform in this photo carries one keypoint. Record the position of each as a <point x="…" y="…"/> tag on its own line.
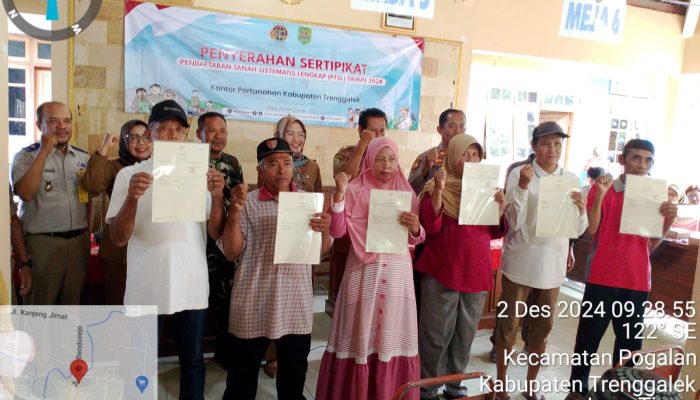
<point x="46" y="176"/>
<point x="451" y="122"/>
<point x="372" y="123"/>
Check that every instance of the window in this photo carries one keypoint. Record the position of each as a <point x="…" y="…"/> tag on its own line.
<point x="17" y="89"/>
<point x="526" y="97"/>
<point x="559" y="102"/>
<point x="16" y="75"/>
<point x="44" y="51"/>
<point x="28" y="59"/>
<point x="17" y="48"/>
<point x="511" y="117"/>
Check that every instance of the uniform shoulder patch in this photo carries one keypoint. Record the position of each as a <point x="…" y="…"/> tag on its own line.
<point x="32" y="147"/>
<point x="440" y="157"/>
<point x="417" y="164"/>
<point x="346" y="151"/>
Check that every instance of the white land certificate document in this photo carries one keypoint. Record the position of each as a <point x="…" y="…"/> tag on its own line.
<point x="479" y="185"/>
<point x="295" y="241"/>
<point x="688" y="211"/>
<point x="384" y="233"/>
<point x="640" y="208"/>
<point x="180" y="181"/>
<point x="557" y="214"/>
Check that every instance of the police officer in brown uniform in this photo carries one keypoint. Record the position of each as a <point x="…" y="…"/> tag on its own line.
<point x="46" y="176"/>
<point x="451" y="122"/>
<point x="372" y="123"/>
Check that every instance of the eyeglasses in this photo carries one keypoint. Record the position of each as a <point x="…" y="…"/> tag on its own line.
<point x="131" y="138"/>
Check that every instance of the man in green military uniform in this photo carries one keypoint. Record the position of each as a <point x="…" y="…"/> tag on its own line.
<point x="211" y="128"/>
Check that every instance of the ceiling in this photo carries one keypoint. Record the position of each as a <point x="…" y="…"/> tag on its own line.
<point x="669" y="6"/>
<point x="689" y="8"/>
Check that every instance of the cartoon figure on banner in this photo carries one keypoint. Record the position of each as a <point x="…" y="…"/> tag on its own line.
<point x="194" y="103"/>
<point x="140" y="104"/>
<point x="168" y="94"/>
<point x="351" y="117"/>
<point x="154" y="94"/>
<point x="405" y="119"/>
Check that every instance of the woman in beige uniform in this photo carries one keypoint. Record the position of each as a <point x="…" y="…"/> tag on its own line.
<point x="99" y="176"/>
<point x="307" y="174"/>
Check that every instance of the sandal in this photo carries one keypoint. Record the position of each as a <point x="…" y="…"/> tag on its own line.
<point x="270" y="369"/>
<point x="535" y="396"/>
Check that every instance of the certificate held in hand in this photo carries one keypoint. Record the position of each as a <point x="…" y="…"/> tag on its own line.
<point x="295" y="241"/>
<point x="640" y="207"/>
<point x="477" y="205"/>
<point x="180" y="181"/>
<point x="557" y="214"/>
<point x="384" y="233"/>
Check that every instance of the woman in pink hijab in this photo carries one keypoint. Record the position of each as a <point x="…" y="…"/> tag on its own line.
<point x="373" y="344"/>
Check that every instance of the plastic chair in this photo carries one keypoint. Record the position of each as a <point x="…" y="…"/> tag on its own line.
<point x="441" y="380"/>
<point x="672" y="371"/>
<point x="626" y="378"/>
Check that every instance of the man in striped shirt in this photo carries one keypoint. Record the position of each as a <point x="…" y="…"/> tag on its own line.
<point x="270" y="302"/>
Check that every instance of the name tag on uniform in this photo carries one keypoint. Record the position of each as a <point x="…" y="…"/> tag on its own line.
<point x="83" y="195"/>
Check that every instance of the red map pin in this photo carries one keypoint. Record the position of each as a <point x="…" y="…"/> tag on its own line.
<point x="78" y="368"/>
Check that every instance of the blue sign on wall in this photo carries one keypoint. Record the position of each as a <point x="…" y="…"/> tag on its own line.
<point x="416" y="8"/>
<point x="593" y="20"/>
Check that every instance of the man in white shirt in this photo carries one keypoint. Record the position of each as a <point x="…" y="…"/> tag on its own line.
<point x="530" y="263"/>
<point x="166" y="262"/>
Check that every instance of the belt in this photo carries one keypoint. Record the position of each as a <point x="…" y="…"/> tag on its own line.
<point x="63" y="235"/>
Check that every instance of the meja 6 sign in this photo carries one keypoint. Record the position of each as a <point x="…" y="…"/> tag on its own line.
<point x="602" y="20"/>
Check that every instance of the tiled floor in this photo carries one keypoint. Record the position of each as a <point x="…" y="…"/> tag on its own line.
<point x="560" y="340"/>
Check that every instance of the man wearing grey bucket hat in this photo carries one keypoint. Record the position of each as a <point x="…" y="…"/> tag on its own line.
<point x="531" y="264"/>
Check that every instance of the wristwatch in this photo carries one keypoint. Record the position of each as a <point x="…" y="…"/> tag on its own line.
<point x="27" y="263"/>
